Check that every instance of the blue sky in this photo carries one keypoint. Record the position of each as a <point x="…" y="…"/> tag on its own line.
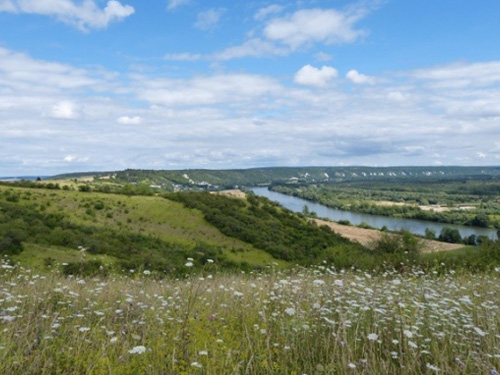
<point x="105" y="85"/>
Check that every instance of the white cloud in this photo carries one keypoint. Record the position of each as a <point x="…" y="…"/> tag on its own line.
<point x="461" y="75"/>
<point x="18" y="70"/>
<point x="358" y="78"/>
<point x="224" y="88"/>
<point x="126" y="120"/>
<point x="65" y="110"/>
<point x="172" y="4"/>
<point x="182" y="56"/>
<point x="7" y="6"/>
<point x="310" y="76"/>
<point x="322" y="56"/>
<point x="396" y="96"/>
<point x="251" y="48"/>
<point x="208" y="19"/>
<point x="84" y="16"/>
<point x="247" y="120"/>
<point x="283" y="35"/>
<point x="481" y="155"/>
<point x="263" y="13"/>
<point x="307" y="26"/>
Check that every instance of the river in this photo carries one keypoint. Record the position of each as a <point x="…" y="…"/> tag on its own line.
<point x="394" y="224"/>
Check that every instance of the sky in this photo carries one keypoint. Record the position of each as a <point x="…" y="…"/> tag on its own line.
<point x="174" y="84"/>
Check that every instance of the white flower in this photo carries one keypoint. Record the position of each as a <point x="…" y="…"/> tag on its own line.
<point x="408" y="334"/>
<point x="113" y="340"/>
<point x="373" y="337"/>
<point x="210" y="260"/>
<point x="338" y="283"/>
<point x="396" y="282"/>
<point x="432" y="367"/>
<point x="480" y="332"/>
<point x="203" y="352"/>
<point x="146" y="272"/>
<point x="318" y="282"/>
<point x="351" y="365"/>
<point x="196" y="364"/>
<point x="411" y="344"/>
<point x="138" y="350"/>
<point x="189" y="264"/>
<point x="84" y="329"/>
<point x="290" y="311"/>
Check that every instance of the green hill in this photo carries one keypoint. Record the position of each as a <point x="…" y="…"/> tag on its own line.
<point x="44" y="227"/>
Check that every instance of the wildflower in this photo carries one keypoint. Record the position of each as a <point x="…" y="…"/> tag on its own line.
<point x="432" y="367"/>
<point x="351" y="365"/>
<point x="146" y="272"/>
<point x="196" y="364"/>
<point x="411" y="344"/>
<point x="338" y="283"/>
<point x="408" y="334"/>
<point x="189" y="264"/>
<point x="203" y="352"/>
<point x="480" y="332"/>
<point x="373" y="337"/>
<point x="318" y="282"/>
<point x="210" y="260"/>
<point x="113" y="340"/>
<point x="84" y="329"/>
<point x="138" y="350"/>
<point x="290" y="311"/>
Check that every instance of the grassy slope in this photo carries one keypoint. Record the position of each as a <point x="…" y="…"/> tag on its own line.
<point x="156" y="216"/>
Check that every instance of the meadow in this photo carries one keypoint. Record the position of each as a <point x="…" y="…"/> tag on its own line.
<point x="318" y="320"/>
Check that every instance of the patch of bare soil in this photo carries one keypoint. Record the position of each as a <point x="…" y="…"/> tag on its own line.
<point x="368" y="237"/>
<point x="236" y="193"/>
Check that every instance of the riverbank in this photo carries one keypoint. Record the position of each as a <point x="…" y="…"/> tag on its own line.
<point x="369" y="237"/>
<point x="365" y="237"/>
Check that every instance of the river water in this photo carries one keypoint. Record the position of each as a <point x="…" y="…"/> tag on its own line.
<point x="394" y="224"/>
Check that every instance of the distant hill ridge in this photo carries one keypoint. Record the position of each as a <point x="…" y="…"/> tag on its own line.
<point x="229" y="178"/>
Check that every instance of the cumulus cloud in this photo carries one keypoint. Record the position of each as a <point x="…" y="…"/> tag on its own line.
<point x="307" y="26"/>
<point x="461" y="75"/>
<point x="310" y="76"/>
<point x="126" y="120"/>
<point x="396" y="96"/>
<point x="84" y="16"/>
<point x="182" y="56"/>
<point x="18" y="70"/>
<point x="223" y="88"/>
<point x="322" y="56"/>
<point x="251" y="48"/>
<point x="303" y="28"/>
<point x="355" y="77"/>
<point x="172" y="4"/>
<point x="208" y="19"/>
<point x="265" y="12"/>
<point x="65" y="110"/>
<point x="247" y="120"/>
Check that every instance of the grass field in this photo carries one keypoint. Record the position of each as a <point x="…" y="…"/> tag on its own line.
<point x="153" y="216"/>
<point x="306" y="321"/>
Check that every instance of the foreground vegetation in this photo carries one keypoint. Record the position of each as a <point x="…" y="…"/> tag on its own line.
<point x="306" y="321"/>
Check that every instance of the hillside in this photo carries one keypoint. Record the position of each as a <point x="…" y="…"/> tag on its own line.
<point x="42" y="227"/>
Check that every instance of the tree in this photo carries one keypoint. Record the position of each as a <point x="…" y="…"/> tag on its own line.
<point x="481" y="220"/>
<point x="430" y="234"/>
<point x="450" y="235"/>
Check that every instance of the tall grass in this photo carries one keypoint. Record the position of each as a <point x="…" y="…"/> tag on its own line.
<point x="306" y="321"/>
